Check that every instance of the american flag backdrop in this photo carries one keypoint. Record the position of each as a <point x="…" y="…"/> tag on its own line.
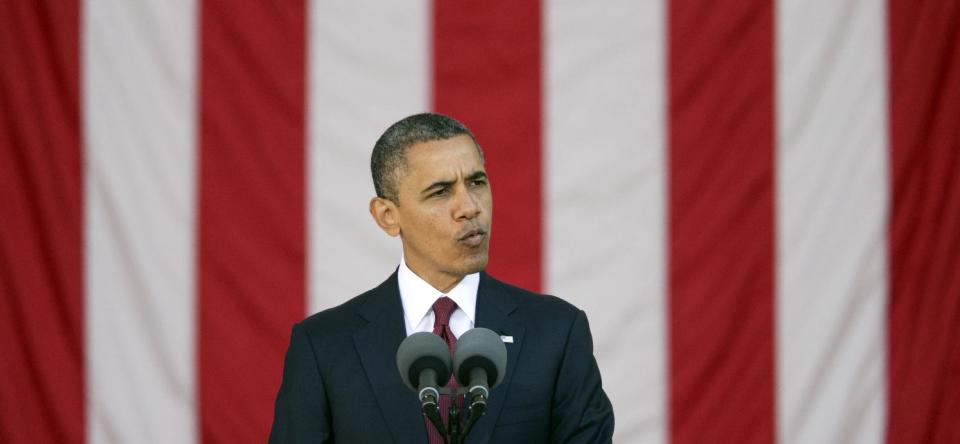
<point x="756" y="202"/>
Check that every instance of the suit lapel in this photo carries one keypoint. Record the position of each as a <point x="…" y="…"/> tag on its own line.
<point x="377" y="345"/>
<point x="494" y="306"/>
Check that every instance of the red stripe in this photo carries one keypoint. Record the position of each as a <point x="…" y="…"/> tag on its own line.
<point x="924" y="316"/>
<point x="721" y="212"/>
<point x="486" y="74"/>
<point x="251" y="209"/>
<point x="41" y="224"/>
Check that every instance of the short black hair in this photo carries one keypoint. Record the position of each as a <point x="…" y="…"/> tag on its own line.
<point x="389" y="153"/>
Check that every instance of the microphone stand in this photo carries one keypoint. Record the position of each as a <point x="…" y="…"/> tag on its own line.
<point x="457" y="429"/>
<point x="431" y="410"/>
<point x="478" y="406"/>
<point x="453" y="422"/>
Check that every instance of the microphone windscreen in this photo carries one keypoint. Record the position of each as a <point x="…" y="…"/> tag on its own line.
<point x="480" y="347"/>
<point x="421" y="351"/>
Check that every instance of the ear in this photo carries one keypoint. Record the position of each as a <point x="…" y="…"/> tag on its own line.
<point x="384" y="213"/>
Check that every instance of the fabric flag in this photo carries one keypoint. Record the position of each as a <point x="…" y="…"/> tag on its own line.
<point x="756" y="202"/>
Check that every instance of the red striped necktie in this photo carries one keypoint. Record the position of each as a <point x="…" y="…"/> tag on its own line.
<point x="442" y="309"/>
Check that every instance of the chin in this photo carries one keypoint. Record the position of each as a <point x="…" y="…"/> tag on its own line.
<point x="474" y="265"/>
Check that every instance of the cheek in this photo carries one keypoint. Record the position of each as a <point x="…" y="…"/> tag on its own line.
<point x="428" y="228"/>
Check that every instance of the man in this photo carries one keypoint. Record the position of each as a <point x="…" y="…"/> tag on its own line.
<point x="340" y="381"/>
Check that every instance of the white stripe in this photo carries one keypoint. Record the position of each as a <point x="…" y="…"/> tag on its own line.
<point x="604" y="203"/>
<point x="366" y="70"/>
<point x="138" y="106"/>
<point x="831" y="213"/>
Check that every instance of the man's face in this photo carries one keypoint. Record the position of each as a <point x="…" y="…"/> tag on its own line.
<point x="444" y="210"/>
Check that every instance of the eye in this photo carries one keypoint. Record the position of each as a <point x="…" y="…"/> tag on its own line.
<point x="478" y="182"/>
<point x="441" y="192"/>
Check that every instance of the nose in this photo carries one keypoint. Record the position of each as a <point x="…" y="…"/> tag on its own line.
<point x="468" y="206"/>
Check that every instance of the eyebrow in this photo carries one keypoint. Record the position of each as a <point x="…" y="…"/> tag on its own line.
<point x="441" y="184"/>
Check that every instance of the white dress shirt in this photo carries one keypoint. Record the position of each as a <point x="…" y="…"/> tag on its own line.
<point x="418" y="297"/>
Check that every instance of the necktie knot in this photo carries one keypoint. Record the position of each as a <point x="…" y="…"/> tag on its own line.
<point x="442" y="309"/>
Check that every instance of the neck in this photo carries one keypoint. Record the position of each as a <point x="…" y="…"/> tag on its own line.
<point x="443" y="282"/>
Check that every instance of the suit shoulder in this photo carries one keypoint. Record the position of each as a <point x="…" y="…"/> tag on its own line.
<point x="346" y="317"/>
<point x="341" y="319"/>
<point x="330" y="320"/>
<point x="543" y="303"/>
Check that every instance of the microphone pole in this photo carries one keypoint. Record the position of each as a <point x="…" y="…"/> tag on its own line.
<point x="478" y="398"/>
<point x="453" y="420"/>
<point x="423" y="360"/>
<point x="429" y="398"/>
<point x="479" y="364"/>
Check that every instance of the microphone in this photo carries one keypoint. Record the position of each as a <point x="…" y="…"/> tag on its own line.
<point x="423" y="360"/>
<point x="479" y="364"/>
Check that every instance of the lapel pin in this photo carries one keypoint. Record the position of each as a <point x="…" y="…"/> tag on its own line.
<point x="507" y="339"/>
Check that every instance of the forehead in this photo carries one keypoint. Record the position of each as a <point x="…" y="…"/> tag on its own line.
<point x="442" y="159"/>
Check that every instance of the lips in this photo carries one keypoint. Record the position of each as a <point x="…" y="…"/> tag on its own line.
<point x="473" y="237"/>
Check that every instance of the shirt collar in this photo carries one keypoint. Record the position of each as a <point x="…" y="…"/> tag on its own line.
<point x="418" y="296"/>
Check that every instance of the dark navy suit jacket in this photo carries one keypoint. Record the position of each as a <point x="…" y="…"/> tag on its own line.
<point x="341" y="384"/>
